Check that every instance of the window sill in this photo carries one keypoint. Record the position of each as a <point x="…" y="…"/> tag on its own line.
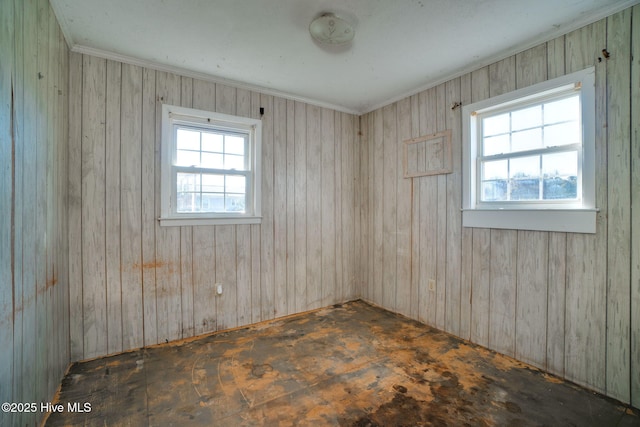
<point x="169" y="222"/>
<point x="563" y="220"/>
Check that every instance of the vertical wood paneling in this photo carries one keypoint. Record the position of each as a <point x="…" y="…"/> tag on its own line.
<point x="441" y="228"/>
<point x="148" y="160"/>
<point x="131" y="206"/>
<point x="377" y="201"/>
<point x="531" y="301"/>
<point x="6" y="195"/>
<point x="635" y="211"/>
<point x="404" y="210"/>
<point x="300" y="209"/>
<point x="34" y="262"/>
<point x="327" y="208"/>
<point x="267" y="276"/>
<point x="280" y="174"/>
<point x="619" y="206"/>
<point x="93" y="206"/>
<point x="466" y="244"/>
<point x="389" y="207"/>
<point x="113" y="208"/>
<point x="453" y="298"/>
<point x="314" y="206"/>
<point x="291" y="206"/>
<point x="167" y="243"/>
<point x="76" y="321"/>
<point x="585" y="320"/>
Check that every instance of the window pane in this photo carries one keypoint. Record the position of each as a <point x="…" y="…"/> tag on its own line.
<point x="494" y="191"/>
<point x="495" y="170"/>
<point x="524" y="167"/>
<point x="560" y="188"/>
<point x="526" y="118"/>
<point x="212" y="160"/>
<point x="212" y="202"/>
<point x="188" y="140"/>
<point x="234" y="145"/>
<point x="187" y="158"/>
<point x="526" y="140"/>
<point x="495" y="125"/>
<point x="562" y="134"/>
<point x="212" y="142"/>
<point x="235" y="203"/>
<point x="188" y="202"/>
<point x="525" y="189"/>
<point x="212" y="183"/>
<point x="235" y="184"/>
<point x="234" y="162"/>
<point x="188" y="182"/>
<point x="562" y="110"/>
<point x="496" y="145"/>
<point x="560" y="164"/>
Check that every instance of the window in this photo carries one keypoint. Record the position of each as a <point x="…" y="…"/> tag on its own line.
<point x="210" y="168"/>
<point x="529" y="157"/>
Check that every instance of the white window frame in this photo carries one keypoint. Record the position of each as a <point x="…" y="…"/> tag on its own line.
<point x="578" y="216"/>
<point x="173" y="116"/>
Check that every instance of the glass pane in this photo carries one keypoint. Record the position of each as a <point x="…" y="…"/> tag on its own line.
<point x="235" y="203"/>
<point x="188" y="140"/>
<point x="494" y="191"/>
<point x="212" y="142"/>
<point x="187" y="158"/>
<point x="562" y="134"/>
<point x="234" y="162"/>
<point x="235" y="184"/>
<point x="188" y="182"/>
<point x="562" y="110"/>
<point x="524" y="167"/>
<point x="496" y="145"/>
<point x="556" y="187"/>
<point x="234" y="145"/>
<point x="495" y="170"/>
<point x="212" y="202"/>
<point x="188" y="202"/>
<point x="495" y="125"/>
<point x="212" y="160"/>
<point x="212" y="183"/>
<point x="525" y="189"/>
<point x="526" y="118"/>
<point x="526" y="140"/>
<point x="560" y="164"/>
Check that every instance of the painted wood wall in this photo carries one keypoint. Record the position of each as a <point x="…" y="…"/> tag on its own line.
<point x="568" y="303"/>
<point x="34" y="301"/>
<point x="134" y="283"/>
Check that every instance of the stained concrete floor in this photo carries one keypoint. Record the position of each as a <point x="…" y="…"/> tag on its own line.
<point x="347" y="365"/>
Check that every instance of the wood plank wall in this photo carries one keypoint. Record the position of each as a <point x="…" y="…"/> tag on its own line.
<point x="568" y="303"/>
<point x="34" y="301"/>
<point x="134" y="283"/>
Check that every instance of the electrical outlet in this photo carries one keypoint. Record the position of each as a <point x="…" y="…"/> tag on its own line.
<point x="218" y="288"/>
<point x="432" y="285"/>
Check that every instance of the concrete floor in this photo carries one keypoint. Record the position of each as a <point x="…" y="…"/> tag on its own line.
<point x="347" y="365"/>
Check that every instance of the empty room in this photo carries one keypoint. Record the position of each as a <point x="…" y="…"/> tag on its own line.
<point x="310" y="213"/>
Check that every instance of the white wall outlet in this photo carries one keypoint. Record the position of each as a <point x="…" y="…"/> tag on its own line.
<point x="432" y="285"/>
<point x="218" y="288"/>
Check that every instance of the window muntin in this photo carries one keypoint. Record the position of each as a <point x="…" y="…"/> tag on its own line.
<point x="210" y="168"/>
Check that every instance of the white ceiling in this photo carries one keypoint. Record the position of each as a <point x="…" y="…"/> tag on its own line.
<point x="400" y="46"/>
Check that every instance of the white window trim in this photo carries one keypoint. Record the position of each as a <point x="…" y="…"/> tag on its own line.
<point x="168" y="217"/>
<point x="580" y="218"/>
